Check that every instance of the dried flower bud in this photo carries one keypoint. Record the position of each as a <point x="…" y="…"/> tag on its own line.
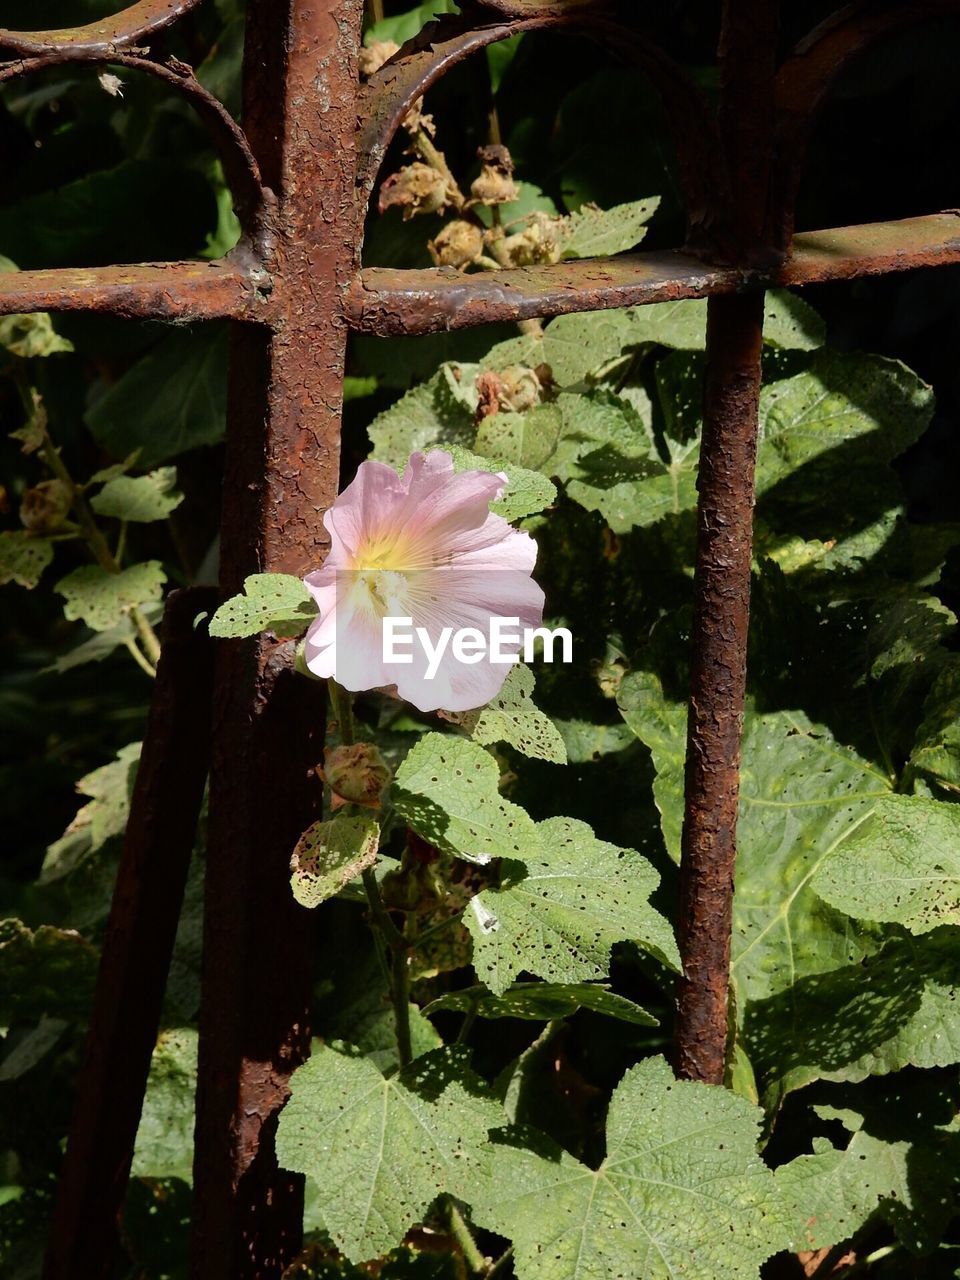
<point x="358" y="774"/>
<point x="417" y="121"/>
<point x="45" y="507"/>
<point x="458" y="244"/>
<point x="489" y="388"/>
<point x="522" y="388"/>
<point x="417" y="188"/>
<point x="495" y="185"/>
<point x="373" y="57"/>
<point x="538" y="243"/>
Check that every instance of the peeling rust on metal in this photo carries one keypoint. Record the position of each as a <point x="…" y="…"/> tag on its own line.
<point x="177" y="291"/>
<point x="130" y="26"/>
<point x="386" y="301"/>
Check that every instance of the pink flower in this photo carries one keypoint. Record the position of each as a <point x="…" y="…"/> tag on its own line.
<point x="426" y="547"/>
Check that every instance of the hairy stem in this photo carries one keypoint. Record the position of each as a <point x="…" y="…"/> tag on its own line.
<point x="376" y="11"/>
<point x="464" y="1238"/>
<point x="139" y="659"/>
<point x="342" y="705"/>
<point x="434" y="157"/>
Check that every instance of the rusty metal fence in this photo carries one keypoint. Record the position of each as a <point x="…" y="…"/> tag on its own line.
<point x="301" y="170"/>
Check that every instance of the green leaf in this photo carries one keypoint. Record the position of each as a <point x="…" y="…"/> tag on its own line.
<point x="102" y="599"/>
<point x="139" y="498"/>
<point x="802" y="792"/>
<point x="404" y="26"/>
<point x="439" y="412"/>
<point x="900" y="1164"/>
<point x="902" y="865"/>
<point x="102" y="643"/>
<point x="447" y="789"/>
<point x="23" y="557"/>
<point x="109" y="789"/>
<point x="381" y="1150"/>
<point x="894" y="1009"/>
<point x="271" y="601"/>
<point x="513" y="717"/>
<point x="543" y="1002"/>
<point x="791" y="323"/>
<point x="44" y="971"/>
<point x="172" y="400"/>
<point x="682" y="1191"/>
<point x="593" y="232"/>
<point x="164" y="1147"/>
<point x="527" y="492"/>
<point x="587" y="743"/>
<point x="330" y="854"/>
<point x="367" y="1023"/>
<point x="936" y="751"/>
<point x="31" y="336"/>
<point x="558" y="912"/>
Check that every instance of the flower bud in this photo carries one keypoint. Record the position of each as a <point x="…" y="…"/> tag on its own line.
<point x="44" y="508"/>
<point x="495" y="184"/>
<point x="538" y="243"/>
<point x="373" y="57"/>
<point x="416" y="188"/>
<point x="358" y="774"/>
<point x="458" y="245"/>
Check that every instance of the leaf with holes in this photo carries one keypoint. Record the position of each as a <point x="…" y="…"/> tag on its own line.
<point x="102" y="599"/>
<point x="23" y="557"/>
<point x="936" y="750"/>
<point x="513" y="717"/>
<point x="438" y="413"/>
<point x="682" y="1191"/>
<point x="447" y="789"/>
<point x="901" y="866"/>
<point x="330" y="854"/>
<point x="164" y="1147"/>
<point x="271" y="601"/>
<point x="559" y="911"/>
<point x="381" y="1150"/>
<point x="593" y="232"/>
<point x="543" y="1002"/>
<point x="139" y="498"/>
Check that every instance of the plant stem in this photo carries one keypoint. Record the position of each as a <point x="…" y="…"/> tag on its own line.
<point x="342" y="706"/>
<point x="399" y="969"/>
<point x="139" y="659"/>
<point x="88" y="528"/>
<point x="434" y="157"/>
<point x="464" y="1238"/>
<point x="376" y="12"/>
<point x="500" y="1263"/>
<point x="469" y="1018"/>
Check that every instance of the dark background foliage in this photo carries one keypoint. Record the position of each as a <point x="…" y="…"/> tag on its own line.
<point x="93" y="179"/>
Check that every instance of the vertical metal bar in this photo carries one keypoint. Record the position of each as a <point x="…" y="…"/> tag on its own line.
<point x="724" y="536"/>
<point x="137" y="948"/>
<point x="300" y="114"/>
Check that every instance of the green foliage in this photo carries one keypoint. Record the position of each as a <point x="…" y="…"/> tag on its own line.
<point x="558" y="914"/>
<point x="140" y="498"/>
<point x="681" y="1192"/>
<point x="592" y="232"/>
<point x="513" y="717"/>
<point x="109" y="789"/>
<point x="447" y="791"/>
<point x="270" y="600"/>
<point x="165" y="1137"/>
<point x="330" y="854"/>
<point x="23" y="557"/>
<point x="385" y="1146"/>
<point x="902" y="865"/>
<point x="172" y="400"/>
<point x="45" y="971"/>
<point x="102" y="599"/>
<point x="542" y="1002"/>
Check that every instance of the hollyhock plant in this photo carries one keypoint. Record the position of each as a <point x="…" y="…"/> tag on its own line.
<point x="423" y="546"/>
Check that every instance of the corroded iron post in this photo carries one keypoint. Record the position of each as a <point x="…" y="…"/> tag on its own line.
<point x="724" y="538"/>
<point x="282" y="473"/>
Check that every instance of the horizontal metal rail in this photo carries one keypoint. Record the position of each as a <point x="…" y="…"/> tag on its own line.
<point x="387" y="301"/>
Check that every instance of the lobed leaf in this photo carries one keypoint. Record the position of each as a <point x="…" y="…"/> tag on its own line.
<point x="270" y="601"/>
<point x="23" y="557"/>
<point x="513" y="717"/>
<point x="102" y="599"/>
<point x="139" y="498"/>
